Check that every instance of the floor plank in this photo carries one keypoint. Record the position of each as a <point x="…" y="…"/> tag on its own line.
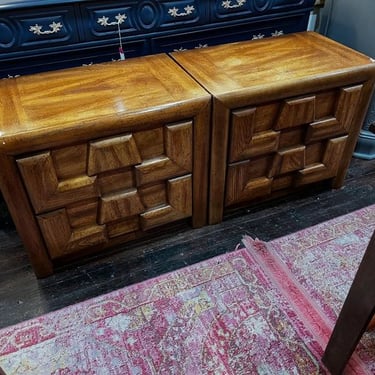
<point x="22" y="296"/>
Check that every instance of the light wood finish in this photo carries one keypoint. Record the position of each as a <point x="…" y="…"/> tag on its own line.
<point x="286" y="112"/>
<point x="93" y="155"/>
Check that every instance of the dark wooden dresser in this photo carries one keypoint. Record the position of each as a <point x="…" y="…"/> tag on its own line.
<point x="39" y="35"/>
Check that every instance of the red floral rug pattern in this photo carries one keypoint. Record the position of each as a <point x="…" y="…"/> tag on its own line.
<point x="323" y="260"/>
<point x="260" y="310"/>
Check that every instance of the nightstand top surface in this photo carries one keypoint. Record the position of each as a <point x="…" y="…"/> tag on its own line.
<point x="96" y="98"/>
<point x="258" y="65"/>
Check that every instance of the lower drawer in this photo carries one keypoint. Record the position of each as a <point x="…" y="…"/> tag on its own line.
<point x="32" y="62"/>
<point x="217" y="34"/>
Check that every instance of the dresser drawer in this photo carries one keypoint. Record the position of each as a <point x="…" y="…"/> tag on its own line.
<point x="234" y="9"/>
<point x="225" y="34"/>
<point x="132" y="17"/>
<point x="38" y="29"/>
<point x="103" y="20"/>
<point x="110" y="187"/>
<point x="19" y="65"/>
<point x="183" y="13"/>
<point x="289" y="143"/>
<point x="282" y="5"/>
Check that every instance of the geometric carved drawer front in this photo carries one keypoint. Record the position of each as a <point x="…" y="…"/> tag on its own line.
<point x="288" y="143"/>
<point x="85" y="195"/>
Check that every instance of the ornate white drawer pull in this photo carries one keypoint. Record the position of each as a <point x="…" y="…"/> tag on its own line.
<point x="200" y="45"/>
<point x="11" y="77"/>
<point x="277" y="33"/>
<point x="55" y="27"/>
<point x="181" y="49"/>
<point x="227" y="4"/>
<point x="174" y="12"/>
<point x="258" y="36"/>
<point x="104" y="21"/>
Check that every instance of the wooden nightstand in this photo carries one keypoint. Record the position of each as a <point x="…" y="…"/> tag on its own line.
<point x="99" y="155"/>
<point x="286" y="113"/>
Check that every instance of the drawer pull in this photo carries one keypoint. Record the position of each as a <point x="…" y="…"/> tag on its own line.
<point x="11" y="77"/>
<point x="174" y="12"/>
<point x="181" y="49"/>
<point x="200" y="45"/>
<point x="55" y="27"/>
<point x="227" y="4"/>
<point x="258" y="36"/>
<point x="277" y="33"/>
<point x="104" y="21"/>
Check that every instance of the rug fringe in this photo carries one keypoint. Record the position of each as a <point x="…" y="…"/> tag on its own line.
<point x="253" y="243"/>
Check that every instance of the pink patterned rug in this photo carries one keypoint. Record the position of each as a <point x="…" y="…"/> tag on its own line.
<point x="266" y="308"/>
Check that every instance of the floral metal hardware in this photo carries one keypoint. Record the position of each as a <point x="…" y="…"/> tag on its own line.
<point x="55" y="27"/>
<point x="11" y="77"/>
<point x="200" y="45"/>
<point x="104" y="21"/>
<point x="174" y="12"/>
<point x="259" y="36"/>
<point x="277" y="33"/>
<point x="227" y="4"/>
<point x="181" y="49"/>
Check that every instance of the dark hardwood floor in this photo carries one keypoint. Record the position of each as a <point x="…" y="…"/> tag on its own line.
<point x="22" y="296"/>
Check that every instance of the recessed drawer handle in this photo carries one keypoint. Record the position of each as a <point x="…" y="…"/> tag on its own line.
<point x="227" y="4"/>
<point x="104" y="21"/>
<point x="55" y="27"/>
<point x="175" y="12"/>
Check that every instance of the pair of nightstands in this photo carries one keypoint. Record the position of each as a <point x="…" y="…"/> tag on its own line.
<point x="99" y="155"/>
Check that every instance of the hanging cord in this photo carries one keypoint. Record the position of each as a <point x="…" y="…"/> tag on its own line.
<point x="120" y="49"/>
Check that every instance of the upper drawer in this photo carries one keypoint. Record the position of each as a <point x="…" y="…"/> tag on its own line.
<point x="138" y="17"/>
<point x="37" y="28"/>
<point x="227" y="9"/>
<point x="103" y="20"/>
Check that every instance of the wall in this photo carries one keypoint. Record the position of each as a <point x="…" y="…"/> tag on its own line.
<point x="352" y="23"/>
